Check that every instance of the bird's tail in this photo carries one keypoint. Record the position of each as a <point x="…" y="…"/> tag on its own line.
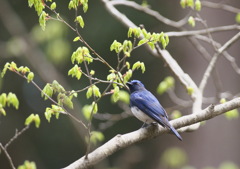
<point x="176" y="133"/>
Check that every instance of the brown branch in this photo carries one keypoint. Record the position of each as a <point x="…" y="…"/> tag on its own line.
<point x="125" y="140"/>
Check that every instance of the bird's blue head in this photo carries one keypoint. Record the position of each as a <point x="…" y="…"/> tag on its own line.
<point x="135" y="85"/>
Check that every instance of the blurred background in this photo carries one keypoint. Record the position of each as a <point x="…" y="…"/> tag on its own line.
<point x="47" y="53"/>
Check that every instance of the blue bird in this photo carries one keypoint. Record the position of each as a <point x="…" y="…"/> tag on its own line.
<point x="145" y="106"/>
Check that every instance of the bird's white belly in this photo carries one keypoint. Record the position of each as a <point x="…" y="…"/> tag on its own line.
<point x="141" y="116"/>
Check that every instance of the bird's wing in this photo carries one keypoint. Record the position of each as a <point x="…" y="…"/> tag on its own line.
<point x="149" y="104"/>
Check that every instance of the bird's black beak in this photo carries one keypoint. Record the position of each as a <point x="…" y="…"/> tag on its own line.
<point x="128" y="84"/>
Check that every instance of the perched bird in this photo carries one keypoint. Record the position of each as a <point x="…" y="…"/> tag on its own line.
<point x="145" y="106"/>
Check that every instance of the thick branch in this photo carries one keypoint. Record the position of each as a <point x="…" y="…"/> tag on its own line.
<point x="122" y="141"/>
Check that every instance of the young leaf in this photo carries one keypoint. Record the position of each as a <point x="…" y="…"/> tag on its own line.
<point x="2" y="111"/>
<point x="127" y="76"/>
<point x="3" y="99"/>
<point x="170" y="81"/>
<point x="33" y="118"/>
<point x="53" y="6"/>
<point x="12" y="100"/>
<point x="6" y="67"/>
<point x="30" y="77"/>
<point x="89" y="92"/>
<point x="191" y="21"/>
<point x="76" y="39"/>
<point x="42" y="20"/>
<point x="57" y="87"/>
<point x="68" y="102"/>
<point x="115" y="95"/>
<point x="96" y="136"/>
<point x="28" y="165"/>
<point x="237" y="18"/>
<point x="75" y="72"/>
<point x="122" y="96"/>
<point x="48" y="90"/>
<point x="198" y="5"/>
<point x="183" y="3"/>
<point x="79" y="19"/>
<point x="96" y="91"/>
<point x="162" y="87"/>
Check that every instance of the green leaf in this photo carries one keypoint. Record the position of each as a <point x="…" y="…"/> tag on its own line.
<point x="176" y="114"/>
<point x="111" y="76"/>
<point x="142" y="41"/>
<point x="28" y="165"/>
<point x="2" y="110"/>
<point x="237" y="18"/>
<point x="23" y="70"/>
<point x="48" y="114"/>
<point x="57" y="87"/>
<point x="68" y="102"/>
<point x="127" y="76"/>
<point x="162" y="87"/>
<point x="96" y="91"/>
<point x="76" y="39"/>
<point x="232" y="114"/>
<point x="75" y="72"/>
<point x="33" y="118"/>
<point x="30" y="77"/>
<point x="143" y="67"/>
<point x="117" y="46"/>
<point x="85" y="7"/>
<point x="130" y="31"/>
<point x="89" y="109"/>
<point x="96" y="137"/>
<point x="190" y="3"/>
<point x="138" y="65"/>
<point x="53" y="6"/>
<point x="37" y="121"/>
<point x="191" y="21"/>
<point x="170" y="81"/>
<point x="173" y="158"/>
<point x="198" y="5"/>
<point x="89" y="92"/>
<point x="190" y="90"/>
<point x="6" y="67"/>
<point x="42" y="20"/>
<point x="122" y="96"/>
<point x="128" y="65"/>
<point x="92" y="72"/>
<point x="48" y="90"/>
<point x="228" y="165"/>
<point x="54" y="110"/>
<point x="183" y="3"/>
<point x="223" y="100"/>
<point x="127" y="47"/>
<point x="79" y="19"/>
<point x="71" y="5"/>
<point x="115" y="95"/>
<point x="3" y="99"/>
<point x="12" y="100"/>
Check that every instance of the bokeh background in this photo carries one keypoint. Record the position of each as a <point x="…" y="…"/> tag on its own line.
<point x="47" y="53"/>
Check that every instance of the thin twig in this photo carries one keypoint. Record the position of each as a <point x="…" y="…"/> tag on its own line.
<point x="17" y="134"/>
<point x="204" y="31"/>
<point x="214" y="60"/>
<point x="220" y="6"/>
<point x="8" y="156"/>
<point x="151" y="12"/>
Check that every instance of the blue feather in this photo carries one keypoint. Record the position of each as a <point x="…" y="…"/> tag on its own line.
<point x="148" y="104"/>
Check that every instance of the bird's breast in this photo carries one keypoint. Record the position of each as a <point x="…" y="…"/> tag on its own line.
<point x="141" y="115"/>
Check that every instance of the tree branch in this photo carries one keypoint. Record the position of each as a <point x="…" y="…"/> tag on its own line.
<point x="125" y="140"/>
